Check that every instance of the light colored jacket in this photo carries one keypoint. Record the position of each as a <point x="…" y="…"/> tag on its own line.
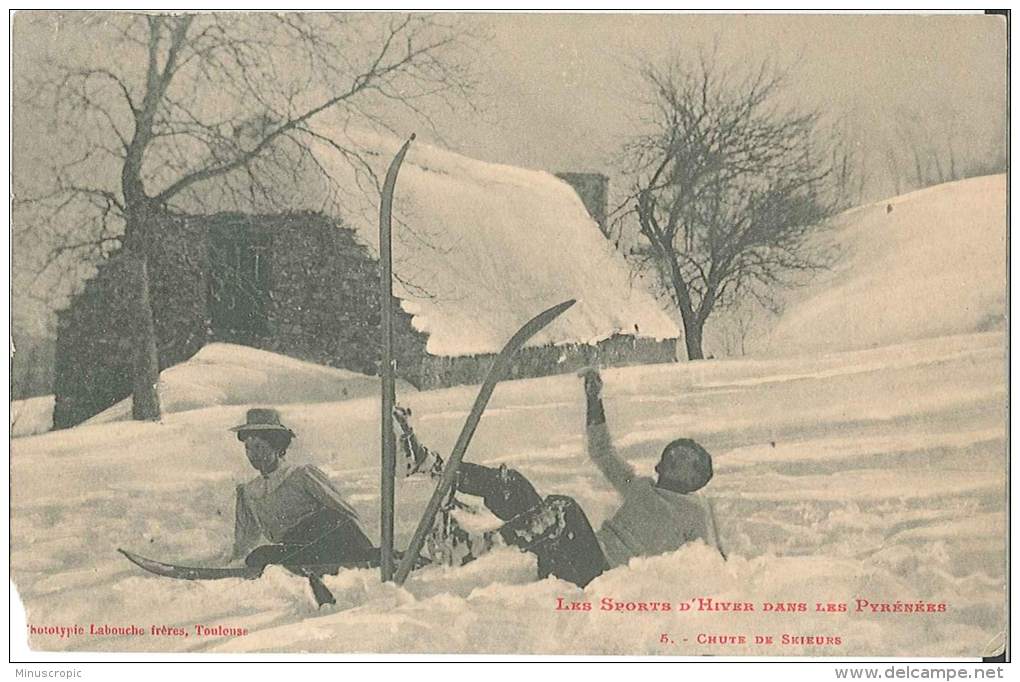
<point x="651" y="520"/>
<point x="269" y="506"/>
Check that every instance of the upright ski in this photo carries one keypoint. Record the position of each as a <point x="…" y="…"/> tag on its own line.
<point x="388" y="459"/>
<point x="496" y="373"/>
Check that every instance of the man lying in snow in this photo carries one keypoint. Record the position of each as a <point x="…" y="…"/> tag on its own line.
<point x="656" y="516"/>
<point x="295" y="508"/>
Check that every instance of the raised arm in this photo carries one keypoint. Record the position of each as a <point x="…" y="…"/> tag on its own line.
<point x="599" y="444"/>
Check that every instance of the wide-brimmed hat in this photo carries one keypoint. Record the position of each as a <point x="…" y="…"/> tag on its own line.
<point x="262" y="419"/>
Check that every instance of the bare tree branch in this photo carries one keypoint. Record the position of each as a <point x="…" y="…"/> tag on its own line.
<point x="209" y="110"/>
<point x="728" y="186"/>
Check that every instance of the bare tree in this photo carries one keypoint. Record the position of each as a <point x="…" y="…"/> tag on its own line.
<point x="932" y="155"/>
<point x="170" y="106"/>
<point x="893" y="168"/>
<point x="930" y="150"/>
<point x="737" y="328"/>
<point x="729" y="187"/>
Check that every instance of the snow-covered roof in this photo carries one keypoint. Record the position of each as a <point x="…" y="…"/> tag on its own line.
<point x="479" y="248"/>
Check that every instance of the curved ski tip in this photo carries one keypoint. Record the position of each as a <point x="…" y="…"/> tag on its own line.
<point x="543" y="319"/>
<point x="560" y="307"/>
<point x="133" y="558"/>
<point x="413" y="135"/>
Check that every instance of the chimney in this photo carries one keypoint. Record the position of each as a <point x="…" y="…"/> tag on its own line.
<point x="593" y="188"/>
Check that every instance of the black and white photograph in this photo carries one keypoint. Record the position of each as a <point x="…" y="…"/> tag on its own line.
<point x="551" y="334"/>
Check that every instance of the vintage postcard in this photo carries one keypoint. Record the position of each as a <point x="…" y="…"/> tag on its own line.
<point x="513" y="333"/>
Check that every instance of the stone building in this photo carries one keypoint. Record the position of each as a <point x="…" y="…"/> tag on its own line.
<point x="305" y="284"/>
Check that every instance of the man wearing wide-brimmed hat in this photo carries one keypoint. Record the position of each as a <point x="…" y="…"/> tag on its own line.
<point x="296" y="508"/>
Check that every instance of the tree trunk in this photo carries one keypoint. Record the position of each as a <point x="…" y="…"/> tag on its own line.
<point x="145" y="379"/>
<point x="145" y="363"/>
<point x="693" y="327"/>
<point x="692" y="338"/>
<point x="693" y="322"/>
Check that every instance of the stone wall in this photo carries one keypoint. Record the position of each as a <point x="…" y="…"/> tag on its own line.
<point x="539" y="361"/>
<point x="94" y="348"/>
<point x="318" y="293"/>
<point x="321" y="305"/>
<point x="324" y="298"/>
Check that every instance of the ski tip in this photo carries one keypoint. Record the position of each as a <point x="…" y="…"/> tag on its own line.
<point x="413" y="135"/>
<point x="560" y="307"/>
<point x="133" y="558"/>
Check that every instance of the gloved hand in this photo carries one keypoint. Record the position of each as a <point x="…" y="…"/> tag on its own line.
<point x="592" y="382"/>
<point x="595" y="413"/>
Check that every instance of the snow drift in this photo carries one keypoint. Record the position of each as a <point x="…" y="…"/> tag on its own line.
<point x="875" y="475"/>
<point x="925" y="264"/>
<point x="227" y="374"/>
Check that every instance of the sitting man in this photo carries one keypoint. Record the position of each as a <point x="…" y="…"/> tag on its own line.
<point x="656" y="516"/>
<point x="296" y="508"/>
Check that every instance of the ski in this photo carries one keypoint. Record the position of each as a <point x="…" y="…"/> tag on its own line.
<point x="190" y="572"/>
<point x="388" y="459"/>
<point x="246" y="572"/>
<point x="497" y="371"/>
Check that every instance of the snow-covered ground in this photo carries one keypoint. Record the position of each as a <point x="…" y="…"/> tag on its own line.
<point x="925" y="264"/>
<point x="228" y="374"/>
<point x="876" y="474"/>
<point x="31" y="416"/>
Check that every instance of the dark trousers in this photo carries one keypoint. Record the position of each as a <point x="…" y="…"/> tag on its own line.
<point x="556" y="529"/>
<point x="326" y="540"/>
<point x="321" y="544"/>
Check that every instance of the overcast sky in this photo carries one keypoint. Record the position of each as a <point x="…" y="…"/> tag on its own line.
<point x="563" y="88"/>
<point x="560" y="91"/>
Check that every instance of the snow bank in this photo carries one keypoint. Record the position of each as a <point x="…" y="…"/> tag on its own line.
<point x="31" y="416"/>
<point x="875" y="475"/>
<point x="925" y="264"/>
<point x="226" y="374"/>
